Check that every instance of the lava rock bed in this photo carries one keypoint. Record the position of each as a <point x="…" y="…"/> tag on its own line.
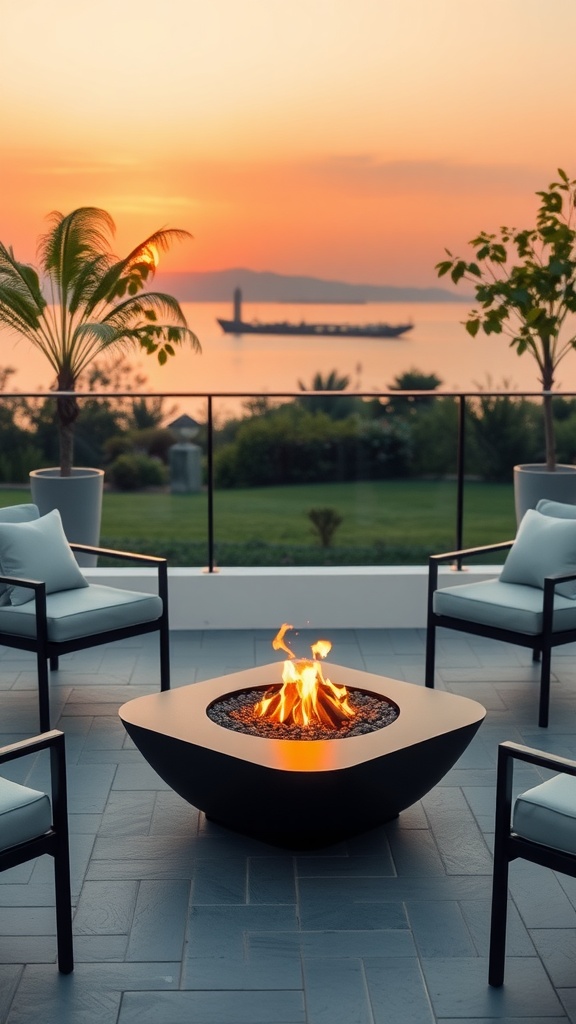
<point x="236" y="711"/>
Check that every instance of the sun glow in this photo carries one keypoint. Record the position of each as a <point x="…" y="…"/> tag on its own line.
<point x="279" y="134"/>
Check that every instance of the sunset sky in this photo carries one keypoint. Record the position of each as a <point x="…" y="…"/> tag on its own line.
<point x="349" y="139"/>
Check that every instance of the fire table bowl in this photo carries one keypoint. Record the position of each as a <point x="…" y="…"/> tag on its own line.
<point x="301" y="793"/>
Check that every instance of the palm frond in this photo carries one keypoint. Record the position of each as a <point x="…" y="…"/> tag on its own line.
<point x="87" y="286"/>
<point x="73" y="239"/>
<point x="124" y="313"/>
<point x="161" y="239"/>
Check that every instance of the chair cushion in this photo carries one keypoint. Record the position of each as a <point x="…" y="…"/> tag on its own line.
<point x="547" y="813"/>
<point x="544" y="546"/>
<point x="505" y="605"/>
<point x="559" y="509"/>
<point x="38" y="550"/>
<point x="93" y="609"/>
<point x="15" y="514"/>
<point x="24" y="813"/>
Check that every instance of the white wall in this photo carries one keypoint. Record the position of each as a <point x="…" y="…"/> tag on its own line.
<point x="369" y="597"/>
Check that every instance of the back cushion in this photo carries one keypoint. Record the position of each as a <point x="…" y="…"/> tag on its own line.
<point x="15" y="514"/>
<point x="558" y="509"/>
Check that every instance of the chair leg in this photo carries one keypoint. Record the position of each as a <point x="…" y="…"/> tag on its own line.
<point x="43" y="691"/>
<point x="54" y="663"/>
<point x="430" y="654"/>
<point x="545" y="687"/>
<point x="499" y="914"/>
<point x="536" y="654"/>
<point x="63" y="908"/>
<point x="164" y="656"/>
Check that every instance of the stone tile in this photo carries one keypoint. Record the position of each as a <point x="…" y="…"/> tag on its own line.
<point x="336" y="992"/>
<point x="354" y="866"/>
<point x="91" y="995"/>
<point x="105" y="908"/>
<point x="223" y="881"/>
<point x="398" y="992"/>
<point x="10" y="975"/>
<point x="439" y="930"/>
<point x="221" y="931"/>
<point x="160" y="919"/>
<point x="369" y="943"/>
<point x="271" y="880"/>
<point x="556" y="948"/>
<point x="539" y="897"/>
<point x="459" y="840"/>
<point x="415" y="852"/>
<point x="213" y="1008"/>
<point x="458" y="987"/>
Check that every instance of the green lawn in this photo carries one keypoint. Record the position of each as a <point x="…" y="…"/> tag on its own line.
<point x="396" y="515"/>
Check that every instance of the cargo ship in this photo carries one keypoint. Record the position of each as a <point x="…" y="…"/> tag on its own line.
<point x="376" y="330"/>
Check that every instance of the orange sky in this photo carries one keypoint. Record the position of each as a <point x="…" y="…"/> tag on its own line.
<point x="346" y="139"/>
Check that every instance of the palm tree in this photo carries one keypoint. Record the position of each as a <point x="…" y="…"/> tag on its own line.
<point x="332" y="381"/>
<point x="87" y="301"/>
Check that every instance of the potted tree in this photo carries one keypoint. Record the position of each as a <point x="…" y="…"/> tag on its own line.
<point x="84" y="301"/>
<point x="525" y="284"/>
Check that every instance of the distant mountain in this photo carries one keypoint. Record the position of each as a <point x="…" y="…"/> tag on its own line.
<point x="264" y="286"/>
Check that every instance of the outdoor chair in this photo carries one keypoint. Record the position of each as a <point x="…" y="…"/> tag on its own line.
<point x="32" y="823"/>
<point x="541" y="829"/>
<point x="49" y="608"/>
<point x="531" y="604"/>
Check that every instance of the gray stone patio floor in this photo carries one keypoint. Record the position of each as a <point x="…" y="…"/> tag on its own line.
<point x="178" y="920"/>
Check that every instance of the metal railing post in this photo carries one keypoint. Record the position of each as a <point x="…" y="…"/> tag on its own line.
<point x="210" y="470"/>
<point x="460" y="477"/>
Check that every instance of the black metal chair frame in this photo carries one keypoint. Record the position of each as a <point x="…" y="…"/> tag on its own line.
<point x="509" y="846"/>
<point x="541" y="644"/>
<point x="54" y="842"/>
<point x="48" y="651"/>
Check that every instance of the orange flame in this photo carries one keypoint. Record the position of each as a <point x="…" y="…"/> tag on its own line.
<point x="305" y="696"/>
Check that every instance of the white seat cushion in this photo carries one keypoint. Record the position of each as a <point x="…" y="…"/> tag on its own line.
<point x="24" y="813"/>
<point x="82" y="612"/>
<point x="547" y="813"/>
<point x="505" y="605"/>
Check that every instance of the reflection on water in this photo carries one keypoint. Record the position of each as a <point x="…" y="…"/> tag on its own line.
<point x="266" y="363"/>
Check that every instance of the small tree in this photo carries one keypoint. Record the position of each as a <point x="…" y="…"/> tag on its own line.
<point x="88" y="302"/>
<point x="325" y="522"/>
<point x="530" y="299"/>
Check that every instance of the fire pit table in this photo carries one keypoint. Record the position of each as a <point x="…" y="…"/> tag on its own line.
<point x="301" y="792"/>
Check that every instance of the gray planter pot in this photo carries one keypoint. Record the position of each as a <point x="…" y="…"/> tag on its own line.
<point x="78" y="499"/>
<point x="533" y="481"/>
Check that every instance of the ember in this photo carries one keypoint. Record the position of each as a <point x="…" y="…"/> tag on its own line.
<point x="237" y="711"/>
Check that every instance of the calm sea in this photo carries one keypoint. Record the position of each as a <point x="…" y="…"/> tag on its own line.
<point x="437" y="344"/>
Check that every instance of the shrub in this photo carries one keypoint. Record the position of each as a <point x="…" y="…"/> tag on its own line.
<point x="295" y="447"/>
<point x="134" y="472"/>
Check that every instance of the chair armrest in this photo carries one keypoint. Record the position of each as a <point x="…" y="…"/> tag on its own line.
<point x="32" y="745"/>
<point x="126" y="556"/>
<point x="22" y="581"/>
<point x="450" y="556"/>
<point x="560" y="577"/>
<point x="531" y="755"/>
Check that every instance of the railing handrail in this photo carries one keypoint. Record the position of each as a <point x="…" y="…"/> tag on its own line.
<point x="346" y="393"/>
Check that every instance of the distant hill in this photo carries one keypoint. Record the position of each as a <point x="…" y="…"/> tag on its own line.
<point x="265" y="286"/>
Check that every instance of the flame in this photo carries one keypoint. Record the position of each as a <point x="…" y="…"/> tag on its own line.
<point x="305" y="697"/>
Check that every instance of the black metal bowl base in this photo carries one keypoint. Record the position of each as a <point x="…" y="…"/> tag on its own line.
<point x="301" y="793"/>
